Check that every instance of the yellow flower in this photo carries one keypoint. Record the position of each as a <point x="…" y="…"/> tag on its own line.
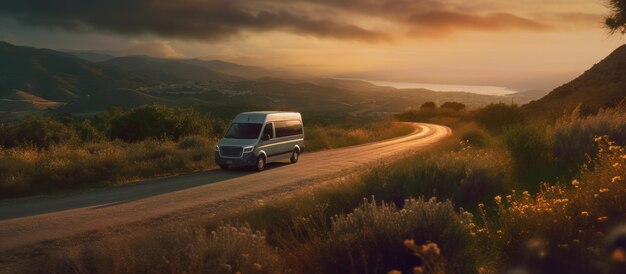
<point x="418" y="270"/>
<point x="603" y="190"/>
<point x="584" y="214"/>
<point x="498" y="199"/>
<point x="575" y="183"/>
<point x="409" y="243"/>
<point x="431" y="248"/>
<point x="619" y="255"/>
<point x="616" y="165"/>
<point x="616" y="179"/>
<point x="603" y="219"/>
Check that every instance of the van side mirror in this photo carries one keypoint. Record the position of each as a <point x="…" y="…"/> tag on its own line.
<point x="266" y="137"/>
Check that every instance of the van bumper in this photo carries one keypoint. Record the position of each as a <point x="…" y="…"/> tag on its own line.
<point x="247" y="159"/>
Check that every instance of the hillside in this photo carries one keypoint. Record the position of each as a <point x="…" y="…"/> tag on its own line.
<point x="602" y="86"/>
<point x="58" y="76"/>
<point x="167" y="70"/>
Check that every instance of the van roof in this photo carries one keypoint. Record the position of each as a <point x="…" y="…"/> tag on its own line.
<point x="263" y="116"/>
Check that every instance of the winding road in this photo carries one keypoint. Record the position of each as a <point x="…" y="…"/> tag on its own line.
<point x="35" y="220"/>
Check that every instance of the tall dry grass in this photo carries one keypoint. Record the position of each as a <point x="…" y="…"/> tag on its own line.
<point x="329" y="136"/>
<point x="26" y="170"/>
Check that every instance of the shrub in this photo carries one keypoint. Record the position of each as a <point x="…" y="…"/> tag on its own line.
<point x="428" y="106"/>
<point x="228" y="249"/>
<point x="562" y="228"/>
<point x="467" y="177"/>
<point x="371" y="239"/>
<point x="530" y="147"/>
<point x="158" y="121"/>
<point x="37" y="132"/>
<point x="496" y="117"/>
<point x="574" y="135"/>
<point x="453" y="105"/>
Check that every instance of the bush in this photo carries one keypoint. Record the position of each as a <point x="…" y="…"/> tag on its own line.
<point x="496" y="117"/>
<point x="158" y="121"/>
<point x="37" y="132"/>
<point x="562" y="228"/>
<point x="371" y="240"/>
<point x="467" y="177"/>
<point x="428" y="106"/>
<point x="226" y="250"/>
<point x="574" y="135"/>
<point x="453" y="106"/>
<point x="530" y="147"/>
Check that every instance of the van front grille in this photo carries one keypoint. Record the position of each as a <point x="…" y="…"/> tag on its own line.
<point x="228" y="151"/>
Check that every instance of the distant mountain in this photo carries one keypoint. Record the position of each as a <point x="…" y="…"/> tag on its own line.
<point x="246" y="72"/>
<point x="58" y="76"/>
<point x="92" y="56"/>
<point x="167" y="70"/>
<point x="602" y="86"/>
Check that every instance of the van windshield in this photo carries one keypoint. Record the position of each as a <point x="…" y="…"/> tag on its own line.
<point x="243" y="131"/>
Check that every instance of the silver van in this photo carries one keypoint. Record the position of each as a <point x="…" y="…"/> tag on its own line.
<point x="260" y="137"/>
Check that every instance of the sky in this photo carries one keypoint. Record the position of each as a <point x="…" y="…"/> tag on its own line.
<point x="523" y="45"/>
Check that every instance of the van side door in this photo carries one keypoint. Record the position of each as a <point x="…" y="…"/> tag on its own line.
<point x="268" y="145"/>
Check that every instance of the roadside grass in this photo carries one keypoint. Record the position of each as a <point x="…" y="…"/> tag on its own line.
<point x="47" y="155"/>
<point x="329" y="136"/>
<point x="27" y="170"/>
<point x="456" y="208"/>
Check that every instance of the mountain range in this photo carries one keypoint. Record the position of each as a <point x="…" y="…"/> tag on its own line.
<point x="75" y="82"/>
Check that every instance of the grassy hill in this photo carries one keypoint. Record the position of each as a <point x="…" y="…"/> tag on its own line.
<point x="58" y="76"/>
<point x="602" y="86"/>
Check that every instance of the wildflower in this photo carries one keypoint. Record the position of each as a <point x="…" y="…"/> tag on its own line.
<point x="619" y="255"/>
<point x="257" y="266"/>
<point x="409" y="243"/>
<point x="575" y="183"/>
<point x="616" y="165"/>
<point x="500" y="232"/>
<point x="603" y="190"/>
<point x="394" y="272"/>
<point x="498" y="199"/>
<point x="526" y="194"/>
<point x="418" y="270"/>
<point x="613" y="148"/>
<point x="431" y="248"/>
<point x="597" y="139"/>
<point x="603" y="219"/>
<point x="616" y="179"/>
<point x="584" y="214"/>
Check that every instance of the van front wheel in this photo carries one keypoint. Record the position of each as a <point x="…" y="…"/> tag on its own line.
<point x="260" y="163"/>
<point x="295" y="155"/>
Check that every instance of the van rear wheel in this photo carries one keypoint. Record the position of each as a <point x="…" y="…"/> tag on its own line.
<point x="260" y="163"/>
<point x="295" y="155"/>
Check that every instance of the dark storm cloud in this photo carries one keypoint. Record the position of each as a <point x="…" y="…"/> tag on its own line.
<point x="195" y="19"/>
<point x="218" y="19"/>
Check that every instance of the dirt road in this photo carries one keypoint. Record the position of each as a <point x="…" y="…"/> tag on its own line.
<point x="34" y="220"/>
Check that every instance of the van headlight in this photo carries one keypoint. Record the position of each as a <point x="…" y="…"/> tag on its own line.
<point x="248" y="149"/>
<point x="217" y="148"/>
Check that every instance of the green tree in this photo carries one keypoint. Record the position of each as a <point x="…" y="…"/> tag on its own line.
<point x="428" y="106"/>
<point x="616" y="22"/>
<point x="453" y="105"/>
<point x="496" y="117"/>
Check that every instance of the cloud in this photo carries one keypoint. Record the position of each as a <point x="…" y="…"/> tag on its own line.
<point x="213" y="20"/>
<point x="153" y="48"/>
<point x="187" y="19"/>
<point x="449" y="21"/>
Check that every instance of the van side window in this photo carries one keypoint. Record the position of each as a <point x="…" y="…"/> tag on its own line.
<point x="288" y="128"/>
<point x="269" y="129"/>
